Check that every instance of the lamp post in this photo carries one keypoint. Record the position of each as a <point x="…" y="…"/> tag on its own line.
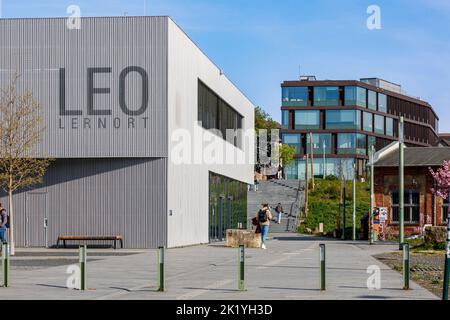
<point x="354" y="200"/>
<point x="324" y="160"/>
<point x="401" y="183"/>
<point x="371" y="234"/>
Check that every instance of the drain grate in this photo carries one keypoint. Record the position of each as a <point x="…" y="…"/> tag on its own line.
<point x="415" y="269"/>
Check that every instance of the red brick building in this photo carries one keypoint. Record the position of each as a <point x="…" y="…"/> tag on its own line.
<point x="421" y="206"/>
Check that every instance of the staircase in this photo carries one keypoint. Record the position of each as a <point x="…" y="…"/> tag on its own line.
<point x="290" y="193"/>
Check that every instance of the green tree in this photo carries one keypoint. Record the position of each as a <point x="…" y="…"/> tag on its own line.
<point x="21" y="131"/>
<point x="264" y="121"/>
<point x="287" y="154"/>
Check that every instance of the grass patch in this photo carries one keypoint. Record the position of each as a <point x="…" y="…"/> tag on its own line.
<point x="324" y="205"/>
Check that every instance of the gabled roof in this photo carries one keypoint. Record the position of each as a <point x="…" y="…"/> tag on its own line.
<point x="416" y="157"/>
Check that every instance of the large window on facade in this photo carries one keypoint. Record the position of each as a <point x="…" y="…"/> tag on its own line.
<point x="379" y="124"/>
<point x="351" y="143"/>
<point x="368" y="121"/>
<point x="371" y="141"/>
<point x="215" y="113"/>
<point x="445" y="209"/>
<point x="292" y="139"/>
<point x="294" y="96"/>
<point x="326" y="96"/>
<point x="346" y="143"/>
<point x="227" y="206"/>
<point x="284" y="119"/>
<point x="389" y="127"/>
<point x="382" y="102"/>
<point x="343" y="119"/>
<point x="355" y="96"/>
<point x="321" y="142"/>
<point x="412" y="207"/>
<point x="307" y="119"/>
<point x="332" y="166"/>
<point x="372" y="100"/>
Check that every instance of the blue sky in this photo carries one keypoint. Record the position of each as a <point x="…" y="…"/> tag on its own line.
<point x="261" y="43"/>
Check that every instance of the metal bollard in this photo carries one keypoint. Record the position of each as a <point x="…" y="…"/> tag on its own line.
<point x="83" y="256"/>
<point x="5" y="265"/>
<point x="322" y="268"/>
<point x="405" y="266"/>
<point x="241" y="278"/>
<point x="161" y="269"/>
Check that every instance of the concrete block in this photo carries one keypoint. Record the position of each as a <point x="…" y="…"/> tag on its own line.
<point x="248" y="238"/>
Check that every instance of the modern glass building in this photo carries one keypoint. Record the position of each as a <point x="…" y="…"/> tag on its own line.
<point x="346" y="118"/>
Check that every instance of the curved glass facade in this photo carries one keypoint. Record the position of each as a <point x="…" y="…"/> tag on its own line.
<point x="355" y="96"/>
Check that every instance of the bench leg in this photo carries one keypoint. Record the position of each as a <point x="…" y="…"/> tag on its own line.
<point x="121" y="243"/>
<point x="115" y="244"/>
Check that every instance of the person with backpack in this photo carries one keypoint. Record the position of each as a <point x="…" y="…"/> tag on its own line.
<point x="3" y="224"/>
<point x="264" y="217"/>
<point x="279" y="211"/>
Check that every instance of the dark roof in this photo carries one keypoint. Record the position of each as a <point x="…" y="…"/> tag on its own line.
<point x="445" y="137"/>
<point x="416" y="156"/>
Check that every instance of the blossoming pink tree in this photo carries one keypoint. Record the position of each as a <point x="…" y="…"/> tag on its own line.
<point x="442" y="189"/>
<point x="442" y="179"/>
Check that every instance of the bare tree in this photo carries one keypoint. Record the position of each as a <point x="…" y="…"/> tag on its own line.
<point x="21" y="129"/>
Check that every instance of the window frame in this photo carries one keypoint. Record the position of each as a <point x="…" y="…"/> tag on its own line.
<point x="356" y="125"/>
<point x="306" y="126"/>
<point x="385" y="99"/>
<point x="445" y="207"/>
<point x="292" y="100"/>
<point x="326" y="102"/>
<point x="377" y="116"/>
<point x="374" y="105"/>
<point x="409" y="207"/>
<point x="216" y="115"/>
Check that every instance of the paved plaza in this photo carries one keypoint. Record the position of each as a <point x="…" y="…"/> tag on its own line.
<point x="288" y="270"/>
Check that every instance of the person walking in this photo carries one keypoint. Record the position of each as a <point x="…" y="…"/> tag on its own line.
<point x="256" y="184"/>
<point x="279" y="211"/>
<point x="3" y="223"/>
<point x="280" y="172"/>
<point x="264" y="217"/>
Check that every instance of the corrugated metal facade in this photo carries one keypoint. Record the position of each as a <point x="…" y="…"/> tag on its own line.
<point x="96" y="197"/>
<point x="110" y="173"/>
<point x="37" y="49"/>
<point x="121" y="179"/>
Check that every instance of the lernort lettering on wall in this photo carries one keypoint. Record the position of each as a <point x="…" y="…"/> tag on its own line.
<point x="93" y="116"/>
<point x="103" y="92"/>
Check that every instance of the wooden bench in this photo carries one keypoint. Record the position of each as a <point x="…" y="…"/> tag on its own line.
<point x="64" y="238"/>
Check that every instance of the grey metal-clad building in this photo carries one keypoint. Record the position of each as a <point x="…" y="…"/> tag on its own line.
<point x="113" y="92"/>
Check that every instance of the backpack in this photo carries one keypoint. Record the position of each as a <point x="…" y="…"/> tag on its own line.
<point x="7" y="220"/>
<point x="262" y="215"/>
